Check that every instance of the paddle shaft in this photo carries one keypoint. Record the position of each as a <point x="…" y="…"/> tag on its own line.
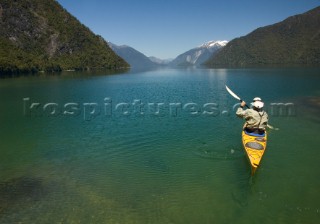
<point x="245" y="104"/>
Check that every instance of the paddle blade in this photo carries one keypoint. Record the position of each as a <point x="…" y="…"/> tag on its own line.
<point x="233" y="94"/>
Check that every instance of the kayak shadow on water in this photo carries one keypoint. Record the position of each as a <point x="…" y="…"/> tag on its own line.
<point x="244" y="190"/>
<point x="240" y="175"/>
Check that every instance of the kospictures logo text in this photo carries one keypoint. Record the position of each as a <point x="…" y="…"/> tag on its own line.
<point x="108" y="108"/>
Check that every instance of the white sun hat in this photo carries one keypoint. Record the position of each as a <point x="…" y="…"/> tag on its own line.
<point x="257" y="104"/>
<point x="256" y="99"/>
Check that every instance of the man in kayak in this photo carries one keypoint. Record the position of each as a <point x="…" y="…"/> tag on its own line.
<point x="256" y="118"/>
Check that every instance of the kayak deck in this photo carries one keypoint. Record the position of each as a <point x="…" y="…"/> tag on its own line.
<point x="254" y="146"/>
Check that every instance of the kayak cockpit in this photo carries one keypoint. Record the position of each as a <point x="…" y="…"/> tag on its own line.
<point x="255" y="132"/>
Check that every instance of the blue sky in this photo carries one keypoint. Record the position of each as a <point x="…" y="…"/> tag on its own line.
<point x="167" y="28"/>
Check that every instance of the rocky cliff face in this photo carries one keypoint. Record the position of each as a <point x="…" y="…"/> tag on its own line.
<point x="41" y="35"/>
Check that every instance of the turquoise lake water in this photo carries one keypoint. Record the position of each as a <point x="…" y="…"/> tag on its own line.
<point x="159" y="146"/>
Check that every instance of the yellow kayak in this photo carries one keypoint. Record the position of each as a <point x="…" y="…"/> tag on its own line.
<point x="254" y="145"/>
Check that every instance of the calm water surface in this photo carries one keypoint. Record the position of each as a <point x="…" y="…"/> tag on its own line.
<point x="109" y="163"/>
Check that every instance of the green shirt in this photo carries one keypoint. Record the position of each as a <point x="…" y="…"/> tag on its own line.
<point x="254" y="119"/>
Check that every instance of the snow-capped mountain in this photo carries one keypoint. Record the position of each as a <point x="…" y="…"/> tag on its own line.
<point x="200" y="54"/>
<point x="213" y="44"/>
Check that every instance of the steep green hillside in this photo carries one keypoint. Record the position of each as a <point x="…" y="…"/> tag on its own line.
<point x="40" y="35"/>
<point x="294" y="41"/>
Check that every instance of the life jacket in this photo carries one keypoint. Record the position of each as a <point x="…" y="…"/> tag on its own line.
<point x="257" y="120"/>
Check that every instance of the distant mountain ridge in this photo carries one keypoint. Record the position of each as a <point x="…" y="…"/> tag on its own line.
<point x="198" y="55"/>
<point x="160" y="61"/>
<point x="40" y="35"/>
<point x="294" y="41"/>
<point x="195" y="56"/>
<point x="135" y="58"/>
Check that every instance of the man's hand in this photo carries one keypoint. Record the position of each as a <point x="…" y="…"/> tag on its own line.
<point x="243" y="103"/>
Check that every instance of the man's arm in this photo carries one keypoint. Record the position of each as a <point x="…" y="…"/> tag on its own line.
<point x="241" y="112"/>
